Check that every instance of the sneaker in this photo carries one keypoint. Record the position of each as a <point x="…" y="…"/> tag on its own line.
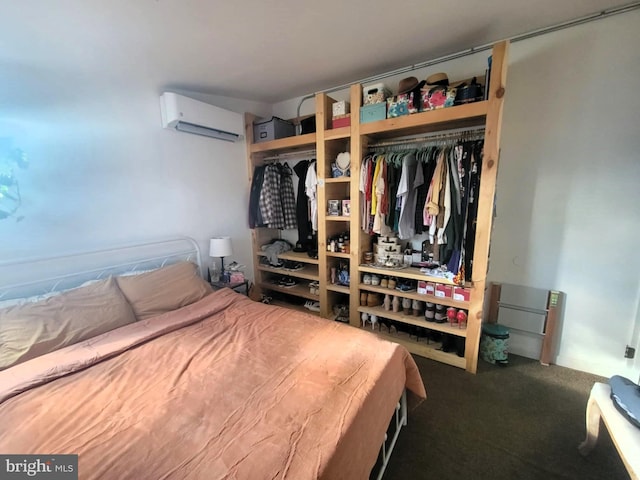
<point x="287" y="282"/>
<point x="265" y="299"/>
<point x="405" y="287"/>
<point x="265" y="261"/>
<point x="293" y="266"/>
<point x="313" y="306"/>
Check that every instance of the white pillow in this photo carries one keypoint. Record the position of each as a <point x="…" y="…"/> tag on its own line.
<point x="22" y="301"/>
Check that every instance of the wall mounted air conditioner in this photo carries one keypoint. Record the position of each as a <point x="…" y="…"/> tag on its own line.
<point x="185" y="114"/>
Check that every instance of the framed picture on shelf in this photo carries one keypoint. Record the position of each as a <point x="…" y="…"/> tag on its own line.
<point x="346" y="208"/>
<point x="334" y="208"/>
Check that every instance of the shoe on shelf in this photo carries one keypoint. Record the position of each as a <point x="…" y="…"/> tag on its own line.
<point x="287" y="282"/>
<point x="265" y="299"/>
<point x="311" y="305"/>
<point x="293" y="266"/>
<point x="405" y="287"/>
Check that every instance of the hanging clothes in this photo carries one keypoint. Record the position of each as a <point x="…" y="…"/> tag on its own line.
<point x="407" y="197"/>
<point x="302" y="207"/>
<point x="255" y="218"/>
<point x="430" y="190"/>
<point x="311" y="190"/>
<point x="366" y="188"/>
<point x="393" y="177"/>
<point x="472" y="212"/>
<point x="272" y="202"/>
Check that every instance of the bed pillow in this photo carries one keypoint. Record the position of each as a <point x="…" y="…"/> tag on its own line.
<point x="33" y="329"/>
<point x="164" y="290"/>
<point x="21" y="301"/>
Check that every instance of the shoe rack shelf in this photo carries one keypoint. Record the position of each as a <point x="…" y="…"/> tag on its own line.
<point x="339" y="289"/>
<point x="410" y="273"/>
<point x="418" y="321"/>
<point x="422" y="347"/>
<point x="299" y="290"/>
<point x="328" y="143"/>
<point x="309" y="272"/>
<point x="415" y="296"/>
<point x="301" y="257"/>
<point x="291" y="306"/>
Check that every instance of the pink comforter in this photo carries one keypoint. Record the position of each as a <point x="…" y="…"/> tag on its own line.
<point x="225" y="388"/>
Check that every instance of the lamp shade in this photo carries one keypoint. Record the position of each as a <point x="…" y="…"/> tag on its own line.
<point x="220" y="247"/>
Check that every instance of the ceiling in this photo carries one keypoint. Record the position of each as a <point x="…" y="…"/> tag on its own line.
<point x="258" y="50"/>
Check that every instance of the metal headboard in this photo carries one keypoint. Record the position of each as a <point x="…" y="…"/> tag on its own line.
<point x="37" y="276"/>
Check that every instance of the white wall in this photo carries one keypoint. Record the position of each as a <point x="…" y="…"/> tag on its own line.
<point x="567" y="195"/>
<point x="103" y="171"/>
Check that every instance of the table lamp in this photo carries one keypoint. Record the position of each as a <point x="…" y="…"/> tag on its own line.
<point x="220" y="247"/>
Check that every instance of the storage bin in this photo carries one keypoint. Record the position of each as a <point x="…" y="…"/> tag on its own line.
<point x="308" y="125"/>
<point x="340" y="108"/>
<point x="372" y="113"/>
<point x="494" y="344"/>
<point x="375" y="93"/>
<point x="272" y="129"/>
<point x="341" y="121"/>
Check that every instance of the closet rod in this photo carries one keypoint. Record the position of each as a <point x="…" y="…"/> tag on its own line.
<point x="289" y="155"/>
<point x="470" y="133"/>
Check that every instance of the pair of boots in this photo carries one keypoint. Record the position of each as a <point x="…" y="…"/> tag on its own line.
<point x="368" y="299"/>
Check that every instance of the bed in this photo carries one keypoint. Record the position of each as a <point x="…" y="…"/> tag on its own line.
<point x="218" y="387"/>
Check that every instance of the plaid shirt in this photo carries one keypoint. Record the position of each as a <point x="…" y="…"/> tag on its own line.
<point x="277" y="199"/>
<point x="288" y="199"/>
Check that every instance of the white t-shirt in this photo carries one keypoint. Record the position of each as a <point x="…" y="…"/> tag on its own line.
<point x="311" y="189"/>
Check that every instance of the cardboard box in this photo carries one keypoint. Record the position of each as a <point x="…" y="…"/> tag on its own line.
<point x="341" y="121"/>
<point x="340" y="108"/>
<point x="272" y="129"/>
<point x="444" y="291"/>
<point x="461" y="294"/>
<point x="373" y="113"/>
<point x="431" y="288"/>
<point x="422" y="287"/>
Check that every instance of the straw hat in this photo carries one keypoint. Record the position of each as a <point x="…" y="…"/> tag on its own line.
<point x="409" y="84"/>
<point x="438" y="79"/>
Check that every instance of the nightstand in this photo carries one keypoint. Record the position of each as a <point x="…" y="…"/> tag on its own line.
<point x="232" y="286"/>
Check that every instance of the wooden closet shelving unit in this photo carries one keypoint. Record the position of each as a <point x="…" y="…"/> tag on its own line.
<point x="264" y="275"/>
<point x="328" y="143"/>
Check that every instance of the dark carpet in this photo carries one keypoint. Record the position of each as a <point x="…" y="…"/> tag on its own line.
<point x="523" y="421"/>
